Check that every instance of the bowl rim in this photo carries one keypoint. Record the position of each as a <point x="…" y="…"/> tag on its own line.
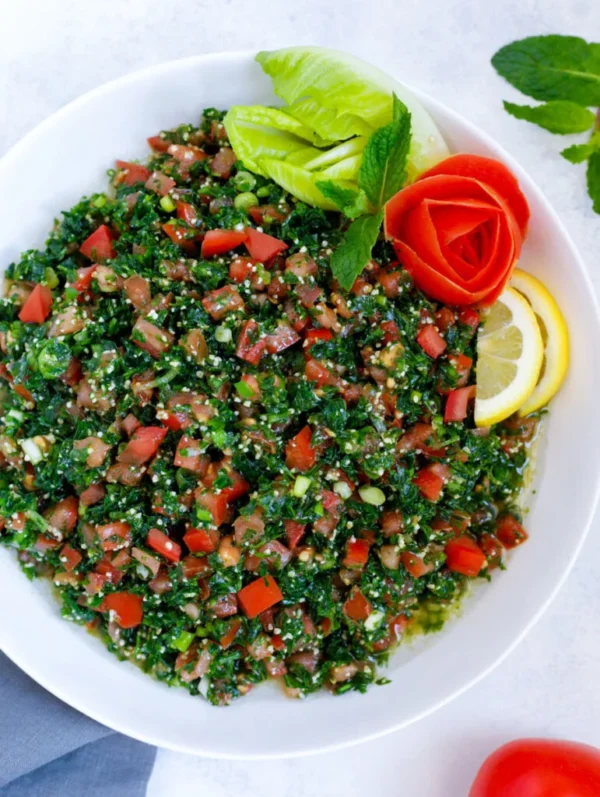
<point x="122" y="726"/>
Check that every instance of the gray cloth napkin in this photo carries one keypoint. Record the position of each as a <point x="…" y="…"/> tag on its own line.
<point x="48" y="749"/>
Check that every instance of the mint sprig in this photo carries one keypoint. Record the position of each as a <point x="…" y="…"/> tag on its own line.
<point x="382" y="174"/>
<point x="564" y="73"/>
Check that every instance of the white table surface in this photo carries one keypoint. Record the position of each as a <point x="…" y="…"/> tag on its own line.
<point x="53" y="50"/>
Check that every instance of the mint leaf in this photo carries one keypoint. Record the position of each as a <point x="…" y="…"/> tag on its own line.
<point x="579" y="153"/>
<point x="557" y="116"/>
<point x="593" y="179"/>
<point x="354" y="252"/>
<point x="350" y="202"/>
<point x="382" y="172"/>
<point x="552" y="68"/>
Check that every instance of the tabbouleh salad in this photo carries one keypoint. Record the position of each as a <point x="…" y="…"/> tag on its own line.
<point x="230" y="468"/>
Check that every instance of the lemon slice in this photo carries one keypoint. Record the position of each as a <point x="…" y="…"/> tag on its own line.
<point x="510" y="351"/>
<point x="555" y="337"/>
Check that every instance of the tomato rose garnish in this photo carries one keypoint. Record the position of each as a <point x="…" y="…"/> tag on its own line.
<point x="459" y="228"/>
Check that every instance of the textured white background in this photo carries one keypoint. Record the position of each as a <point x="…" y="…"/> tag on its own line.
<point x="53" y="50"/>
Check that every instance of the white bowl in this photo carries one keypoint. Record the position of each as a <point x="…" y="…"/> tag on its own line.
<point x="67" y="156"/>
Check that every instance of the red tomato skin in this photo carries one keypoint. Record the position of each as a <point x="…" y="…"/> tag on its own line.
<point x="457" y="404"/>
<point x="510" y="532"/>
<point x="132" y="173"/>
<point x="259" y="595"/>
<point x="158" y="144"/>
<point x="430" y="340"/>
<point x="299" y="453"/>
<point x="37" y="306"/>
<point x="200" y="540"/>
<point x="217" y="242"/>
<point x="250" y="346"/>
<point x="539" y="768"/>
<point x="463" y="555"/>
<point x="143" y="445"/>
<point x="163" y="545"/>
<point x="263" y="247"/>
<point x="99" y="245"/>
<point x="294" y="532"/>
<point x="357" y="554"/>
<point x="430" y="484"/>
<point x="126" y="606"/>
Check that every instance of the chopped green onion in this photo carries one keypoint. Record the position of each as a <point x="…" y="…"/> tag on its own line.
<point x="244" y="389"/>
<point x="263" y="192"/>
<point x="100" y="201"/>
<point x="372" y="495"/>
<point x="244" y="181"/>
<point x="167" y="204"/>
<point x="203" y="514"/>
<point x="223" y="334"/>
<point x="183" y="641"/>
<point x="342" y="489"/>
<point x="32" y="451"/>
<point x="319" y="509"/>
<point x="301" y="486"/>
<point x="263" y="274"/>
<point x="51" y="277"/>
<point x="245" y="201"/>
<point x="374" y="620"/>
<point x="71" y="294"/>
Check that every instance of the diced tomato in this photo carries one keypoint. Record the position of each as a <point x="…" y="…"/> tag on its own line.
<point x="84" y="278"/>
<point x="63" y="515"/>
<point x="259" y="595"/>
<point x="294" y="532"/>
<point x="231" y="633"/>
<point x="189" y="455"/>
<point x="187" y="212"/>
<point x="492" y="549"/>
<point x="159" y="183"/>
<point x="164" y="545"/>
<point x="510" y="532"/>
<point x="390" y="282"/>
<point x="201" y="540"/>
<point x="414" y="564"/>
<point x="99" y="245"/>
<point x="357" y="554"/>
<point x="431" y="341"/>
<point x="469" y="317"/>
<point x="234" y="491"/>
<point x="266" y="213"/>
<point x="132" y="173"/>
<point x="127" y="607"/>
<point x="130" y="424"/>
<point x="392" y="522"/>
<point x="151" y="338"/>
<point x="444" y="319"/>
<point x="457" y="404"/>
<point x="114" y="536"/>
<point x="356" y="606"/>
<point x="316" y="336"/>
<point x="92" y="495"/>
<point x="430" y="484"/>
<point x="457" y="523"/>
<point x="217" y="242"/>
<point x="241" y="269"/>
<point x="417" y="439"/>
<point x="159" y="144"/>
<point x="172" y="421"/>
<point x="222" y="301"/>
<point x="186" y="154"/>
<point x="250" y="346"/>
<point x="299" y="453"/>
<point x="70" y="558"/>
<point x="37" y="306"/>
<point x="180" y="235"/>
<point x="222" y="162"/>
<point x="315" y="371"/>
<point x="263" y="247"/>
<point x="216" y="505"/>
<point x="391" y="332"/>
<point x="74" y="373"/>
<point x="193" y="566"/>
<point x="463" y="555"/>
<point x="143" y="445"/>
<point x="282" y="338"/>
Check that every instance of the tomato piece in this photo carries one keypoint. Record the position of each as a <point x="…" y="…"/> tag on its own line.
<point x="99" y="245"/>
<point x="143" y="445"/>
<point x="222" y="301"/>
<point x="92" y="495"/>
<point x="414" y="564"/>
<point x="299" y="453"/>
<point x="469" y="317"/>
<point x="189" y="455"/>
<point x="316" y="336"/>
<point x="315" y="371"/>
<point x="187" y="212"/>
<point x="356" y="606"/>
<point x="539" y="768"/>
<point x="70" y="558"/>
<point x="430" y="484"/>
<point x="282" y="338"/>
<point x="158" y="144"/>
<point x="510" y="532"/>
<point x="430" y="340"/>
<point x="200" y="540"/>
<point x="391" y="332"/>
<point x="294" y="532"/>
<point x="131" y="173"/>
<point x="263" y="247"/>
<point x="130" y="424"/>
<point x="180" y="235"/>
<point x="217" y="242"/>
<point x="37" y="306"/>
<point x="164" y="545"/>
<point x="236" y="490"/>
<point x="186" y="154"/>
<point x="357" y="554"/>
<point x="266" y="213"/>
<point x="231" y="633"/>
<point x="114" y="536"/>
<point x="216" y="505"/>
<point x="127" y="608"/>
<point x="444" y="318"/>
<point x="463" y="555"/>
<point x="222" y="162"/>
<point x="457" y="404"/>
<point x="492" y="549"/>
<point x="241" y="269"/>
<point x="84" y="278"/>
<point x="159" y="183"/>
<point x="172" y="421"/>
<point x="251" y="346"/>
<point x="259" y="595"/>
<point x="63" y="515"/>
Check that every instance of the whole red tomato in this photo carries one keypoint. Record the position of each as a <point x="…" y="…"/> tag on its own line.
<point x="539" y="768"/>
